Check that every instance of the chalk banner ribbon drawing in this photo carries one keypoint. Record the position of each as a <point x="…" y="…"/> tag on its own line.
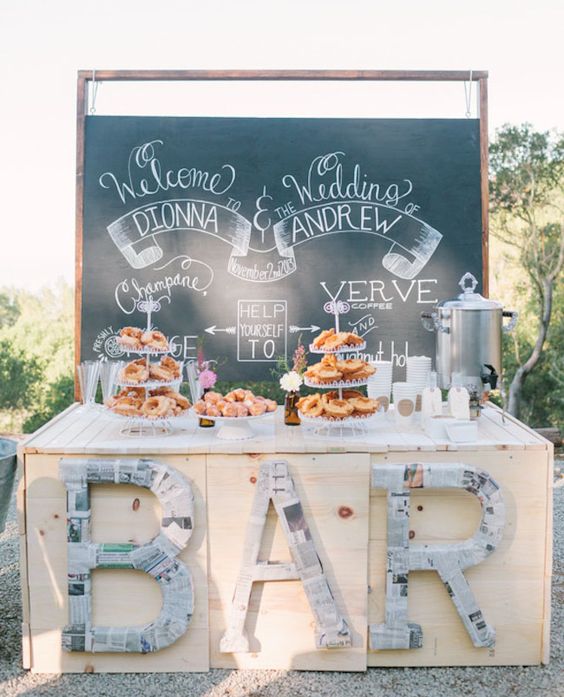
<point x="413" y="241"/>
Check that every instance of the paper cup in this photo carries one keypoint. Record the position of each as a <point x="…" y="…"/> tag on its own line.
<point x="405" y="398"/>
<point x="379" y="385"/>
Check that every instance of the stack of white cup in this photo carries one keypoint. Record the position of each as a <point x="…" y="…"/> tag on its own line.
<point x="380" y="384"/>
<point x="418" y="370"/>
<point x="405" y="398"/>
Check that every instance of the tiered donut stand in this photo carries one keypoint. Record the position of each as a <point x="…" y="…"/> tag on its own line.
<point x="138" y="426"/>
<point x="324" y="425"/>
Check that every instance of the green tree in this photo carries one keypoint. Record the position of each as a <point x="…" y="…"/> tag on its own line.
<point x="19" y="377"/>
<point x="526" y="196"/>
<point x="9" y="310"/>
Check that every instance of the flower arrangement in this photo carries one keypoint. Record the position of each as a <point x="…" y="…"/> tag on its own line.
<point x="207" y="377"/>
<point x="292" y="379"/>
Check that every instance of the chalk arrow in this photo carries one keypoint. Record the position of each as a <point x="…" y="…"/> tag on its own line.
<point x="213" y="329"/>
<point x="294" y="329"/>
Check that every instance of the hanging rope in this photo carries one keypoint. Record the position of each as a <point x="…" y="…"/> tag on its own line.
<point x="94" y="93"/>
<point x="468" y="96"/>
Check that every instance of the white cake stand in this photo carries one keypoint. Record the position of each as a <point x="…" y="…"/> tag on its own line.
<point x="233" y="427"/>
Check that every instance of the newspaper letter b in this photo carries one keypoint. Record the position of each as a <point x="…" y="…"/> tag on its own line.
<point x="157" y="558"/>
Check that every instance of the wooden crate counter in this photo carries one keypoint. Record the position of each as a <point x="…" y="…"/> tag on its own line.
<point x="329" y="484"/>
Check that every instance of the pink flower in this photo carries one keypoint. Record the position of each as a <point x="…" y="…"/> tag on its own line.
<point x="207" y="379"/>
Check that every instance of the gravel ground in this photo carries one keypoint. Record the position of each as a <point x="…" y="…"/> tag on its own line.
<point x="401" y="682"/>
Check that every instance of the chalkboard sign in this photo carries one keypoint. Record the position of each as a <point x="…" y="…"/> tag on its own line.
<point x="244" y="229"/>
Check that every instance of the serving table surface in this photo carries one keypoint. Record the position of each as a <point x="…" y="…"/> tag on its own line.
<point x="91" y="429"/>
<point x="347" y="520"/>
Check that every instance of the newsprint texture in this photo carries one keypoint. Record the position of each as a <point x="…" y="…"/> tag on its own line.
<point x="275" y="484"/>
<point x="449" y="561"/>
<point x="157" y="558"/>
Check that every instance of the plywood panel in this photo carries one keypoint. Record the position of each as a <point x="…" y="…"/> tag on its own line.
<point x="279" y="622"/>
<point x="120" y="597"/>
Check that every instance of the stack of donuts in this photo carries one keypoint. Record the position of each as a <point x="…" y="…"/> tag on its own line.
<point x="135" y="339"/>
<point x="330" y="369"/>
<point x="353" y="404"/>
<point x="160" y="403"/>
<point x="330" y="340"/>
<point x="235" y="404"/>
<point x="137" y="372"/>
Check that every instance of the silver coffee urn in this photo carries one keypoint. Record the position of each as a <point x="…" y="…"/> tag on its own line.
<point x="468" y="332"/>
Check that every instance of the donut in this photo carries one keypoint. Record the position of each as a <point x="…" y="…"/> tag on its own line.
<point x="212" y="397"/>
<point x="155" y="340"/>
<point x="200" y="407"/>
<point x="130" y="337"/>
<point x="180" y="400"/>
<point x="127" y="406"/>
<point x="212" y="410"/>
<point x="364" y="405"/>
<point x="338" y="408"/>
<point x="351" y="365"/>
<point x="328" y="375"/>
<point x="135" y="372"/>
<point x="159" y="372"/>
<point x="271" y="405"/>
<point x="157" y="407"/>
<point x="240" y="394"/>
<point x="322" y="338"/>
<point x="170" y="364"/>
<point x="230" y="397"/>
<point x="241" y="410"/>
<point x="230" y="409"/>
<point x="257" y="409"/>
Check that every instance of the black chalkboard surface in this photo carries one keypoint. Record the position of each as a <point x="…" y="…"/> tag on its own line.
<point x="244" y="229"/>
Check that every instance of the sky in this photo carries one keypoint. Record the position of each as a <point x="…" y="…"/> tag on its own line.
<point x="43" y="44"/>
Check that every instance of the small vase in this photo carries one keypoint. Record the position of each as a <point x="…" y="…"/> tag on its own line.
<point x="291" y="416"/>
<point x="206" y="423"/>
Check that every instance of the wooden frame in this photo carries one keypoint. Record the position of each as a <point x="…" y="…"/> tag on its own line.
<point x="86" y="76"/>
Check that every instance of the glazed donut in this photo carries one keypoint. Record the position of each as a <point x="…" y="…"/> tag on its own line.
<point x="170" y="364"/>
<point x="339" y="408"/>
<point x="180" y="400"/>
<point x="257" y="409"/>
<point x="200" y="407"/>
<point x="155" y="340"/>
<point x="135" y="372"/>
<point x="230" y="397"/>
<point x="351" y="365"/>
<point x="157" y="407"/>
<point x="158" y="372"/>
<point x="130" y="337"/>
<point x="127" y="406"/>
<point x="364" y="405"/>
<point x="241" y="410"/>
<point x="240" y="394"/>
<point x="212" y="397"/>
<point x="230" y="409"/>
<point x="320" y="340"/>
<point x="212" y="410"/>
<point x="271" y="405"/>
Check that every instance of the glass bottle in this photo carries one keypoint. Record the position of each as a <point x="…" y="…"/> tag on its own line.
<point x="291" y="416"/>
